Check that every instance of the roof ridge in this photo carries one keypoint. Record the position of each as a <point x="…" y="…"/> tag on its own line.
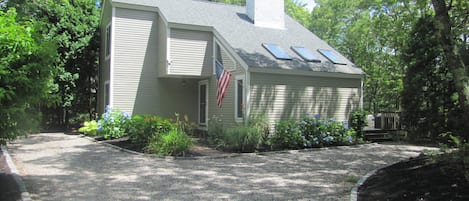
<point x="218" y="3"/>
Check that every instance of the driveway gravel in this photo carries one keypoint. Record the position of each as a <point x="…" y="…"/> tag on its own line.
<point x="56" y="166"/>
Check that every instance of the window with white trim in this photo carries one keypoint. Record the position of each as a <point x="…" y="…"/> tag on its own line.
<point x="108" y="41"/>
<point x="239" y="107"/>
<point x="107" y="93"/>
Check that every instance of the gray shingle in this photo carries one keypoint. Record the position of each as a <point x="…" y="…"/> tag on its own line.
<point x="246" y="39"/>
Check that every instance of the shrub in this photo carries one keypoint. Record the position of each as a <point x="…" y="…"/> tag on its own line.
<point x="358" y="121"/>
<point x="174" y="142"/>
<point x="287" y="135"/>
<point x="143" y="128"/>
<point x="216" y="132"/>
<point x="312" y="132"/>
<point x="113" y="123"/>
<point x="242" y="139"/>
<point x="89" y="128"/>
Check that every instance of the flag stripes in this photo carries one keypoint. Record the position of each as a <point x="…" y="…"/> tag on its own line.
<point x="223" y="79"/>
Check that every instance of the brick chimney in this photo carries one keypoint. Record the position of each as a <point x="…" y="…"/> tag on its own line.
<point x="267" y="13"/>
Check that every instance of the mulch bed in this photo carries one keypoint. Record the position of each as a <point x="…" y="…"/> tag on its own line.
<point x="199" y="148"/>
<point x="9" y="191"/>
<point x="417" y="179"/>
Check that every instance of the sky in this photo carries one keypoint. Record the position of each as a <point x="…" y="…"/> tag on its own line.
<point x="310" y="4"/>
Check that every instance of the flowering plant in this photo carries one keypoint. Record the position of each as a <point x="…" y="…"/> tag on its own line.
<point x="113" y="123"/>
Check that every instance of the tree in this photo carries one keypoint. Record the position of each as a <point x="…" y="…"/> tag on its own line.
<point x="451" y="59"/>
<point x="371" y="34"/>
<point x="74" y="27"/>
<point x="25" y="74"/>
<point x="427" y="85"/>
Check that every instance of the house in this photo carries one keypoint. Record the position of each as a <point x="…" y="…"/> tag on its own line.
<point x="159" y="56"/>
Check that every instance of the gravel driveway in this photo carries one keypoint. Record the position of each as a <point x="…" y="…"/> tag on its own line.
<point x="55" y="166"/>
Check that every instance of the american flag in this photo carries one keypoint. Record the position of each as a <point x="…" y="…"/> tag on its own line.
<point x="223" y="79"/>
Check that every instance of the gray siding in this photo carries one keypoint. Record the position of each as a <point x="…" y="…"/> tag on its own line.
<point x="190" y="53"/>
<point x="162" y="47"/>
<point x="292" y="96"/>
<point x="134" y="80"/>
<point x="227" y="112"/>
<point x="103" y="62"/>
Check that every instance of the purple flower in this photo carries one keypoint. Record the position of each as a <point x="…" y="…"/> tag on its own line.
<point x="316" y="116"/>
<point x="350" y="139"/>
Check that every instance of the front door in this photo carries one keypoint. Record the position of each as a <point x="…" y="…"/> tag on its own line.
<point x="203" y="102"/>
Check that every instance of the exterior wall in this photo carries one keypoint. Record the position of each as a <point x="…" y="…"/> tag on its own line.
<point x="134" y="84"/>
<point x="190" y="53"/>
<point x="162" y="46"/>
<point x="294" y="96"/>
<point x="227" y="112"/>
<point x="104" y="62"/>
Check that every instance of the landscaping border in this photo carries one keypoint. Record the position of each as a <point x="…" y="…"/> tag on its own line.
<point x="16" y="175"/>
<point x="354" y="191"/>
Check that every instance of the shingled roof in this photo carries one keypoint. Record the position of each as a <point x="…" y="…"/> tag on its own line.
<point x="246" y="39"/>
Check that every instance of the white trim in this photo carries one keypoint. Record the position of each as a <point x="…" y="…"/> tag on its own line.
<point x="236" y="104"/>
<point x="111" y="62"/>
<point x="305" y="73"/>
<point x="203" y="82"/>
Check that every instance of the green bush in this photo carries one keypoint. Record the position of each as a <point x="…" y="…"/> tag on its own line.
<point x="312" y="132"/>
<point x="174" y="142"/>
<point x="89" y="128"/>
<point x="358" y="121"/>
<point x="242" y="139"/>
<point x="216" y="132"/>
<point x="143" y="128"/>
<point x="287" y="136"/>
<point x="113" y="124"/>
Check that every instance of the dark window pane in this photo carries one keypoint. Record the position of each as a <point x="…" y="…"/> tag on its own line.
<point x="202" y="103"/>
<point x="239" y="101"/>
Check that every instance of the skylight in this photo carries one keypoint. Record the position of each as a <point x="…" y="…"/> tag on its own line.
<point x="334" y="58"/>
<point x="276" y="51"/>
<point x="306" y="54"/>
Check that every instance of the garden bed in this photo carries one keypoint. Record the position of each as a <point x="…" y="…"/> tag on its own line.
<point x="416" y="179"/>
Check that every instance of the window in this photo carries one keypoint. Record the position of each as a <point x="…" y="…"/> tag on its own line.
<point x="106" y="94"/>
<point x="108" y="41"/>
<point x="239" y="98"/>
<point x="218" y="55"/>
<point x="334" y="58"/>
<point x="276" y="51"/>
<point x="203" y="103"/>
<point x="306" y="54"/>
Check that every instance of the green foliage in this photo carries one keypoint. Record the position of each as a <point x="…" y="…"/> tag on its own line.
<point x="312" y="132"/>
<point x="216" y="131"/>
<point x="287" y="135"/>
<point x="371" y="34"/>
<point x="242" y="139"/>
<point x="428" y="88"/>
<point x="113" y="124"/>
<point x="144" y="128"/>
<point x="25" y="75"/>
<point x="89" y="128"/>
<point x="73" y="25"/>
<point x="175" y="143"/>
<point x="358" y="121"/>
<point x="249" y="137"/>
